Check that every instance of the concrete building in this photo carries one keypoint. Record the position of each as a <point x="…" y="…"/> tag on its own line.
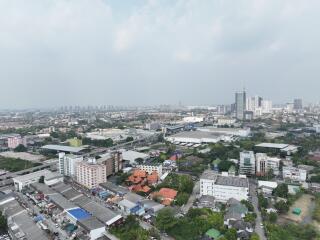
<point x="68" y="163"/>
<point x="90" y="174"/>
<point x="149" y="168"/>
<point x="276" y="148"/>
<point x="238" y="132"/>
<point x="223" y="187"/>
<point x="294" y="174"/>
<point x="113" y="162"/>
<point x="297" y="104"/>
<point x="193" y="119"/>
<point x="15" y="141"/>
<point x="50" y="178"/>
<point x="225" y="121"/>
<point x="247" y="163"/>
<point x="130" y="156"/>
<point x="240" y="98"/>
<point x="264" y="164"/>
<point x="20" y="224"/>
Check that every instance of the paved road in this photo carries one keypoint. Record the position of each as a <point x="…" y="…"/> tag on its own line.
<point x="192" y="198"/>
<point x="147" y="226"/>
<point x="254" y="200"/>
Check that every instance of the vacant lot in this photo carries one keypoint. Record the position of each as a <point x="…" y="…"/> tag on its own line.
<point x="304" y="203"/>
<point x="15" y="164"/>
<point x="23" y="155"/>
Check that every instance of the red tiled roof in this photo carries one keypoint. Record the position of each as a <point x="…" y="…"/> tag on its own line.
<point x="168" y="193"/>
<point x="139" y="173"/>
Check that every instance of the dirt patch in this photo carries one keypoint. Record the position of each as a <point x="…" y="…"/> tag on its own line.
<point x="304" y="203"/>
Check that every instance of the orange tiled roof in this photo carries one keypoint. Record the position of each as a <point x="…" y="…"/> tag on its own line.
<point x="168" y="193"/>
<point x="166" y="202"/>
<point x="139" y="173"/>
<point x="153" y="178"/>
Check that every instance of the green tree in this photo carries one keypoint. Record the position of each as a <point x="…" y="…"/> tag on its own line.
<point x="182" y="198"/>
<point x="231" y="234"/>
<point x="254" y="236"/>
<point x="224" y="165"/>
<point x="165" y="219"/>
<point x="129" y="139"/>
<point x="282" y="206"/>
<point x="263" y="202"/>
<point x="139" y="161"/>
<point x="272" y="217"/>
<point x="41" y="179"/>
<point x="153" y="232"/>
<point x="20" y="148"/>
<point x="250" y="217"/>
<point x="3" y="223"/>
<point x="248" y="205"/>
<point x="281" y="190"/>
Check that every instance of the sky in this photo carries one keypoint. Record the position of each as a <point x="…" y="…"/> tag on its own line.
<point x="149" y="52"/>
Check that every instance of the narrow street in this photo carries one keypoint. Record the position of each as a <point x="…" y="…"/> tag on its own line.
<point x="192" y="198"/>
<point x="254" y="200"/>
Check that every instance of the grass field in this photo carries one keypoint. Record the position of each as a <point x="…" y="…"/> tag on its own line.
<point x="16" y="164"/>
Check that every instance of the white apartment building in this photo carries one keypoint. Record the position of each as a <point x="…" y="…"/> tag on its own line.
<point x="90" y="174"/>
<point x="294" y="174"/>
<point x="264" y="164"/>
<point x="149" y="168"/>
<point x="223" y="187"/>
<point x="247" y="163"/>
<point x="68" y="164"/>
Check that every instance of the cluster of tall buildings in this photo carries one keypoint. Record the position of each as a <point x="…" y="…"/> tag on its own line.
<point x="248" y="107"/>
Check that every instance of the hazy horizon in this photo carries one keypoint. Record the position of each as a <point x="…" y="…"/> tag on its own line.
<point x="148" y="52"/>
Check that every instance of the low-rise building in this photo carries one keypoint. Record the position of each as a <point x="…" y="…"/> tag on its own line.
<point x="149" y="168"/>
<point x="223" y="187"/>
<point x="294" y="174"/>
<point x="50" y="178"/>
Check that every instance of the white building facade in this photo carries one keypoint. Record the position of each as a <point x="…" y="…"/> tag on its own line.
<point x="224" y="187"/>
<point x="294" y="174"/>
<point x="149" y="168"/>
<point x="68" y="164"/>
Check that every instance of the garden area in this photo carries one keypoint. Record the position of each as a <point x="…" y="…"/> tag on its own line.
<point x="181" y="183"/>
<point x="131" y="230"/>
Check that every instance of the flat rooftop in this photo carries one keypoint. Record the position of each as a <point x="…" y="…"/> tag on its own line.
<point x="63" y="148"/>
<point x="197" y="135"/>
<point x="46" y="173"/>
<point x="232" y="181"/>
<point x="79" y="213"/>
<point x="272" y="145"/>
<point x="210" y="175"/>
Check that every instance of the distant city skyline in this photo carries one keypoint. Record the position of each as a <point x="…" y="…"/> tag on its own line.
<point x="146" y="52"/>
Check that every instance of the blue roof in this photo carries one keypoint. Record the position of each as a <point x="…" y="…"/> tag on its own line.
<point x="79" y="213"/>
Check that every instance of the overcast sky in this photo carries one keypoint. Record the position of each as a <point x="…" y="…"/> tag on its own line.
<point x="139" y="52"/>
